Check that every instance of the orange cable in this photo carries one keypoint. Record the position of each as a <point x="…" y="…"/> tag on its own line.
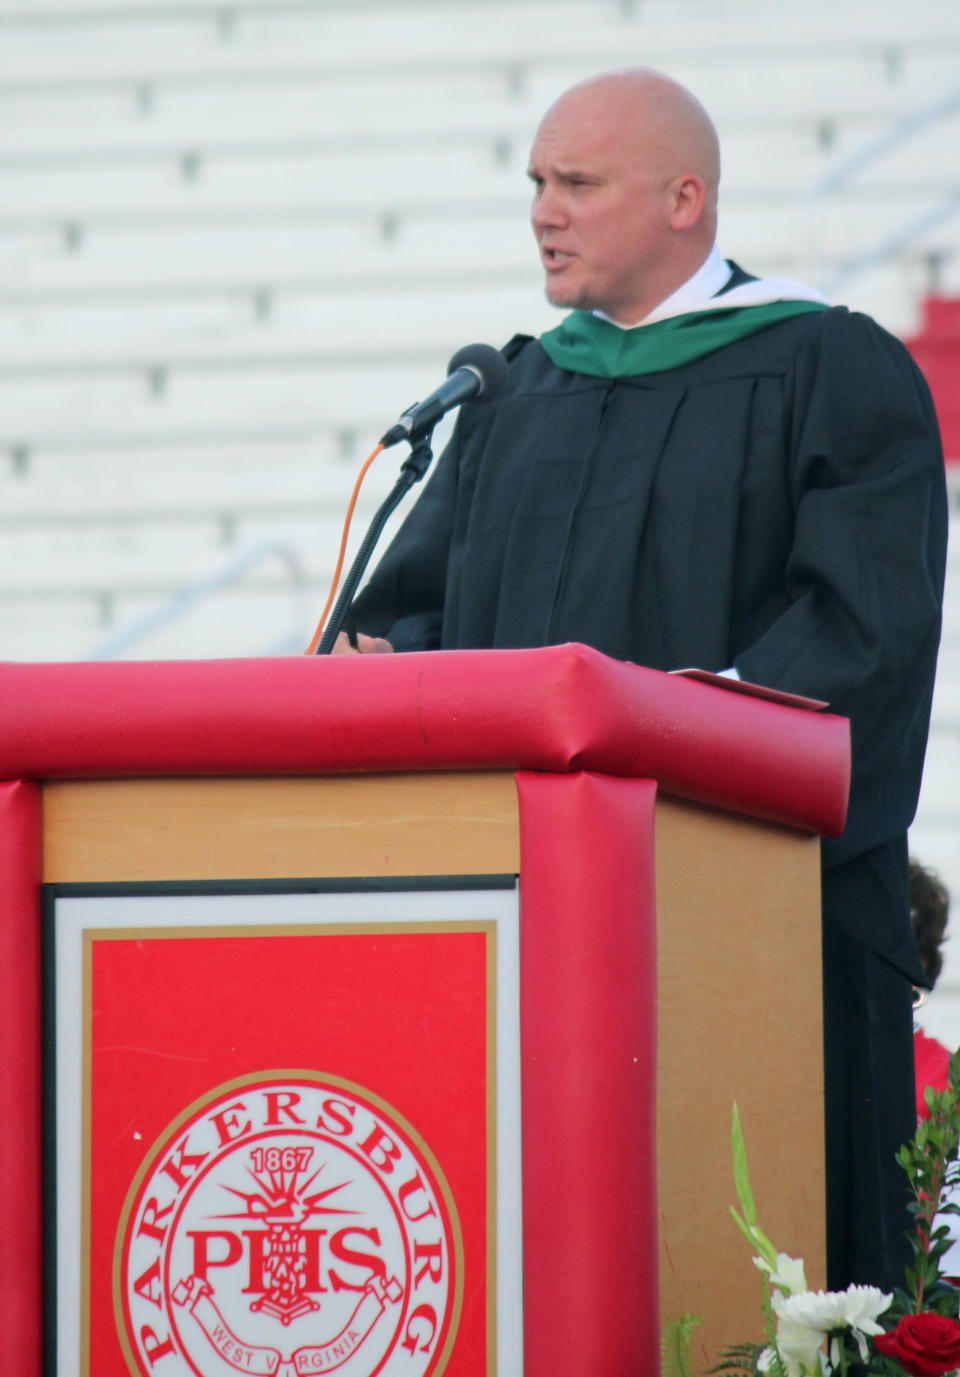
<point x="311" y="648"/>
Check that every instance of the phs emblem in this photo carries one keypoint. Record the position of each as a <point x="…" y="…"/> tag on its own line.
<point x="288" y="1224"/>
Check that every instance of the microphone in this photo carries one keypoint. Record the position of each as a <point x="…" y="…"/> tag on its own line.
<point x="477" y="372"/>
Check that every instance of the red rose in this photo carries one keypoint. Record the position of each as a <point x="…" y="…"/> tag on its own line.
<point x="927" y="1345"/>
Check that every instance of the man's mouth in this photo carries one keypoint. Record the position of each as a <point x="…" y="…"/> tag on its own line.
<point x="554" y="258"/>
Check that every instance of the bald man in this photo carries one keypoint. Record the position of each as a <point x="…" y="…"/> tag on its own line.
<point x="696" y="467"/>
<point x="625" y="172"/>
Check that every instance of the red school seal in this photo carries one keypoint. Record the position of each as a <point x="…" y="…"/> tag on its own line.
<point x="288" y="1224"/>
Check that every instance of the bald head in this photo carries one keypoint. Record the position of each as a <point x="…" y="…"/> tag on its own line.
<point x="658" y="122"/>
<point x="632" y="149"/>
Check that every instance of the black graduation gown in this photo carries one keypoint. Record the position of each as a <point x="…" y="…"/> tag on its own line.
<point x="778" y="506"/>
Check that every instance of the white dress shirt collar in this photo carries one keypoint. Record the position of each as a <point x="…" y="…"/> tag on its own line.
<point x="713" y="273"/>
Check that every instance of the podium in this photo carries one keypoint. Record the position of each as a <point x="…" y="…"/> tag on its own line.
<point x="394" y="1007"/>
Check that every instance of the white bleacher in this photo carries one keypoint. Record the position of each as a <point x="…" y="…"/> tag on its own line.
<point x="237" y="237"/>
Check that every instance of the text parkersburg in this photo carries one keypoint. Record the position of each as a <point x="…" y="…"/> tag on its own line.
<point x="289" y="1226"/>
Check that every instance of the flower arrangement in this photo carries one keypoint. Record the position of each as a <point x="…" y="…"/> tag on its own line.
<point x="913" y="1332"/>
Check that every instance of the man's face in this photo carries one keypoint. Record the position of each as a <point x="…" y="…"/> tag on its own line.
<point x="601" y="209"/>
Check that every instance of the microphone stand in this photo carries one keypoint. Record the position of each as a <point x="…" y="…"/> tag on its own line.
<point x="411" y="471"/>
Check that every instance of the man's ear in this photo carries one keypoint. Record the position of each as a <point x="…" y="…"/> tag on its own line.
<point x="688" y="195"/>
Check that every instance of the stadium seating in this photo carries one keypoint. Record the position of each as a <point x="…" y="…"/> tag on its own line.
<point x="237" y="238"/>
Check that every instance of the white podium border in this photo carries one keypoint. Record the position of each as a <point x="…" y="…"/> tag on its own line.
<point x="76" y="911"/>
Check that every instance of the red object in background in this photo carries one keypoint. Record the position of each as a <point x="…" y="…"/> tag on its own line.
<point x="936" y="351"/>
<point x="931" y="1061"/>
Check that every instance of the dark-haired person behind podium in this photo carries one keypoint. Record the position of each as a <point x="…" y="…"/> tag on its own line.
<point x="700" y="468"/>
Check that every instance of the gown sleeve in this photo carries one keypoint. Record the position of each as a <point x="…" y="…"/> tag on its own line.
<point x="864" y="578"/>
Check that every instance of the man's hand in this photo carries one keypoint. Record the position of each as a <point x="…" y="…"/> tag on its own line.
<point x="366" y="645"/>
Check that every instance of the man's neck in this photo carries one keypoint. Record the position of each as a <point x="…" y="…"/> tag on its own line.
<point x="712" y="274"/>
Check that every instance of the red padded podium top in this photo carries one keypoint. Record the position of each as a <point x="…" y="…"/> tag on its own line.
<point x="560" y="708"/>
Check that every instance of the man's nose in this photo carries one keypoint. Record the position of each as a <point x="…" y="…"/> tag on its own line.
<point x="547" y="208"/>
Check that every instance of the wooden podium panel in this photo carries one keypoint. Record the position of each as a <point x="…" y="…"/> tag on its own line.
<point x="738" y="968"/>
<point x="178" y="829"/>
<point x="739" y="1019"/>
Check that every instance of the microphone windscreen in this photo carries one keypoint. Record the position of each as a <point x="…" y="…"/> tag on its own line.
<point x="489" y="363"/>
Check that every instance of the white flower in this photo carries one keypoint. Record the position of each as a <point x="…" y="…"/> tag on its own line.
<point x="788" y="1362"/>
<point x="798" y="1341"/>
<point x="765" y="1363"/>
<point x="788" y="1276"/>
<point x="812" y="1314"/>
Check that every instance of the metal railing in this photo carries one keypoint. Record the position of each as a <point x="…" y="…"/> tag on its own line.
<point x="869" y="153"/>
<point x="191" y="597"/>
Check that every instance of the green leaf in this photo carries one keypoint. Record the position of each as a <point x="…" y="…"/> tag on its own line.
<point x="675" y="1346"/>
<point x="776" y="1366"/>
<point x="741" y="1175"/>
<point x="743" y="1226"/>
<point x="741" y="1180"/>
<point x="767" y="1249"/>
<point x="738" y="1360"/>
